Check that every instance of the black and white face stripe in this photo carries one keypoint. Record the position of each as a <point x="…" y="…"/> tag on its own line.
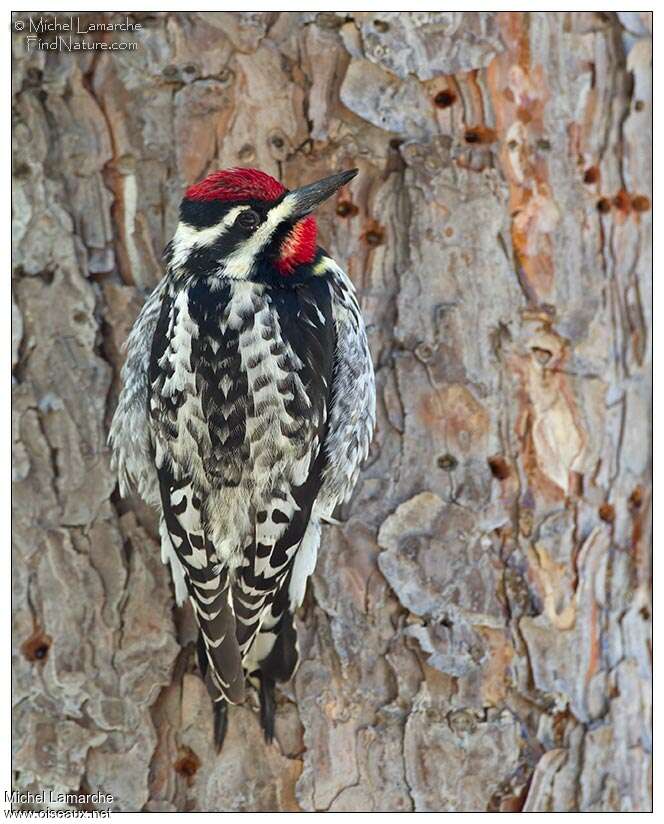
<point x="213" y="238"/>
<point x="205" y="239"/>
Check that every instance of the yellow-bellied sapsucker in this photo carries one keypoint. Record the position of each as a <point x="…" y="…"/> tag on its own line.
<point x="247" y="407"/>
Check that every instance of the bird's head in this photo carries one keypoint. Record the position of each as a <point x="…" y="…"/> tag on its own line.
<point x="243" y="224"/>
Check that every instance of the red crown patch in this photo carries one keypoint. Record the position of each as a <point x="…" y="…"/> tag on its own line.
<point x="236" y="184"/>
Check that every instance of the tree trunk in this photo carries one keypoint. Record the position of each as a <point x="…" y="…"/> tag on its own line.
<point x="477" y="632"/>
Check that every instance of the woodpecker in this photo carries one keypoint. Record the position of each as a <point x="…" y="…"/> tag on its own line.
<point x="247" y="408"/>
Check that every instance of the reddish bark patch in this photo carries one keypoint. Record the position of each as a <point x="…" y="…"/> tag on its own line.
<point x="622" y="201"/>
<point x="607" y="513"/>
<point x="591" y="175"/>
<point x="604" y="205"/>
<point x="560" y="723"/>
<point x="374" y="235"/>
<point x="37" y="646"/>
<point x="636" y="498"/>
<point x="480" y="134"/>
<point x="520" y="92"/>
<point x="456" y="415"/>
<point x="635" y="504"/>
<point x="445" y="99"/>
<point x="640" y="203"/>
<point x="187" y="765"/>
<point x="575" y="485"/>
<point x="548" y="407"/>
<point x="499" y="467"/>
<point x="524" y="114"/>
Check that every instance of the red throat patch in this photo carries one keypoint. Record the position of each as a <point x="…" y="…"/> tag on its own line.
<point x="236" y="184"/>
<point x="299" y="246"/>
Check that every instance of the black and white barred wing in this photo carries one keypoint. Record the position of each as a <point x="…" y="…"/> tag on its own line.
<point x="129" y="437"/>
<point x="289" y="350"/>
<point x="352" y="414"/>
<point x="185" y="458"/>
<point x="350" y="403"/>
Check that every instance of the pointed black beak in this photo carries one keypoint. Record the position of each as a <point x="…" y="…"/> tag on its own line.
<point x="307" y="198"/>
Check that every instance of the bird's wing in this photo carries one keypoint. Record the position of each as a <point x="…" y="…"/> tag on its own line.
<point x="352" y="414"/>
<point x="262" y="585"/>
<point x="350" y="406"/>
<point x="129" y="435"/>
<point x="182" y="425"/>
<point x="302" y="344"/>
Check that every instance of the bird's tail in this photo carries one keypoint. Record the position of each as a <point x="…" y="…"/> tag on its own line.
<point x="223" y="671"/>
<point x="276" y="657"/>
<point x="219" y="702"/>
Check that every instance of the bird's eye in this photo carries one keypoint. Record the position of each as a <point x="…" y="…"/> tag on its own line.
<point x="249" y="219"/>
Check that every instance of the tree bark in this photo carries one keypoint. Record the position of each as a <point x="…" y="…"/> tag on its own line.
<point x="477" y="632"/>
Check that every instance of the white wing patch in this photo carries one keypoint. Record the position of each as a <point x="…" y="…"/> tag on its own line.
<point x="169" y="556"/>
<point x="305" y="563"/>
